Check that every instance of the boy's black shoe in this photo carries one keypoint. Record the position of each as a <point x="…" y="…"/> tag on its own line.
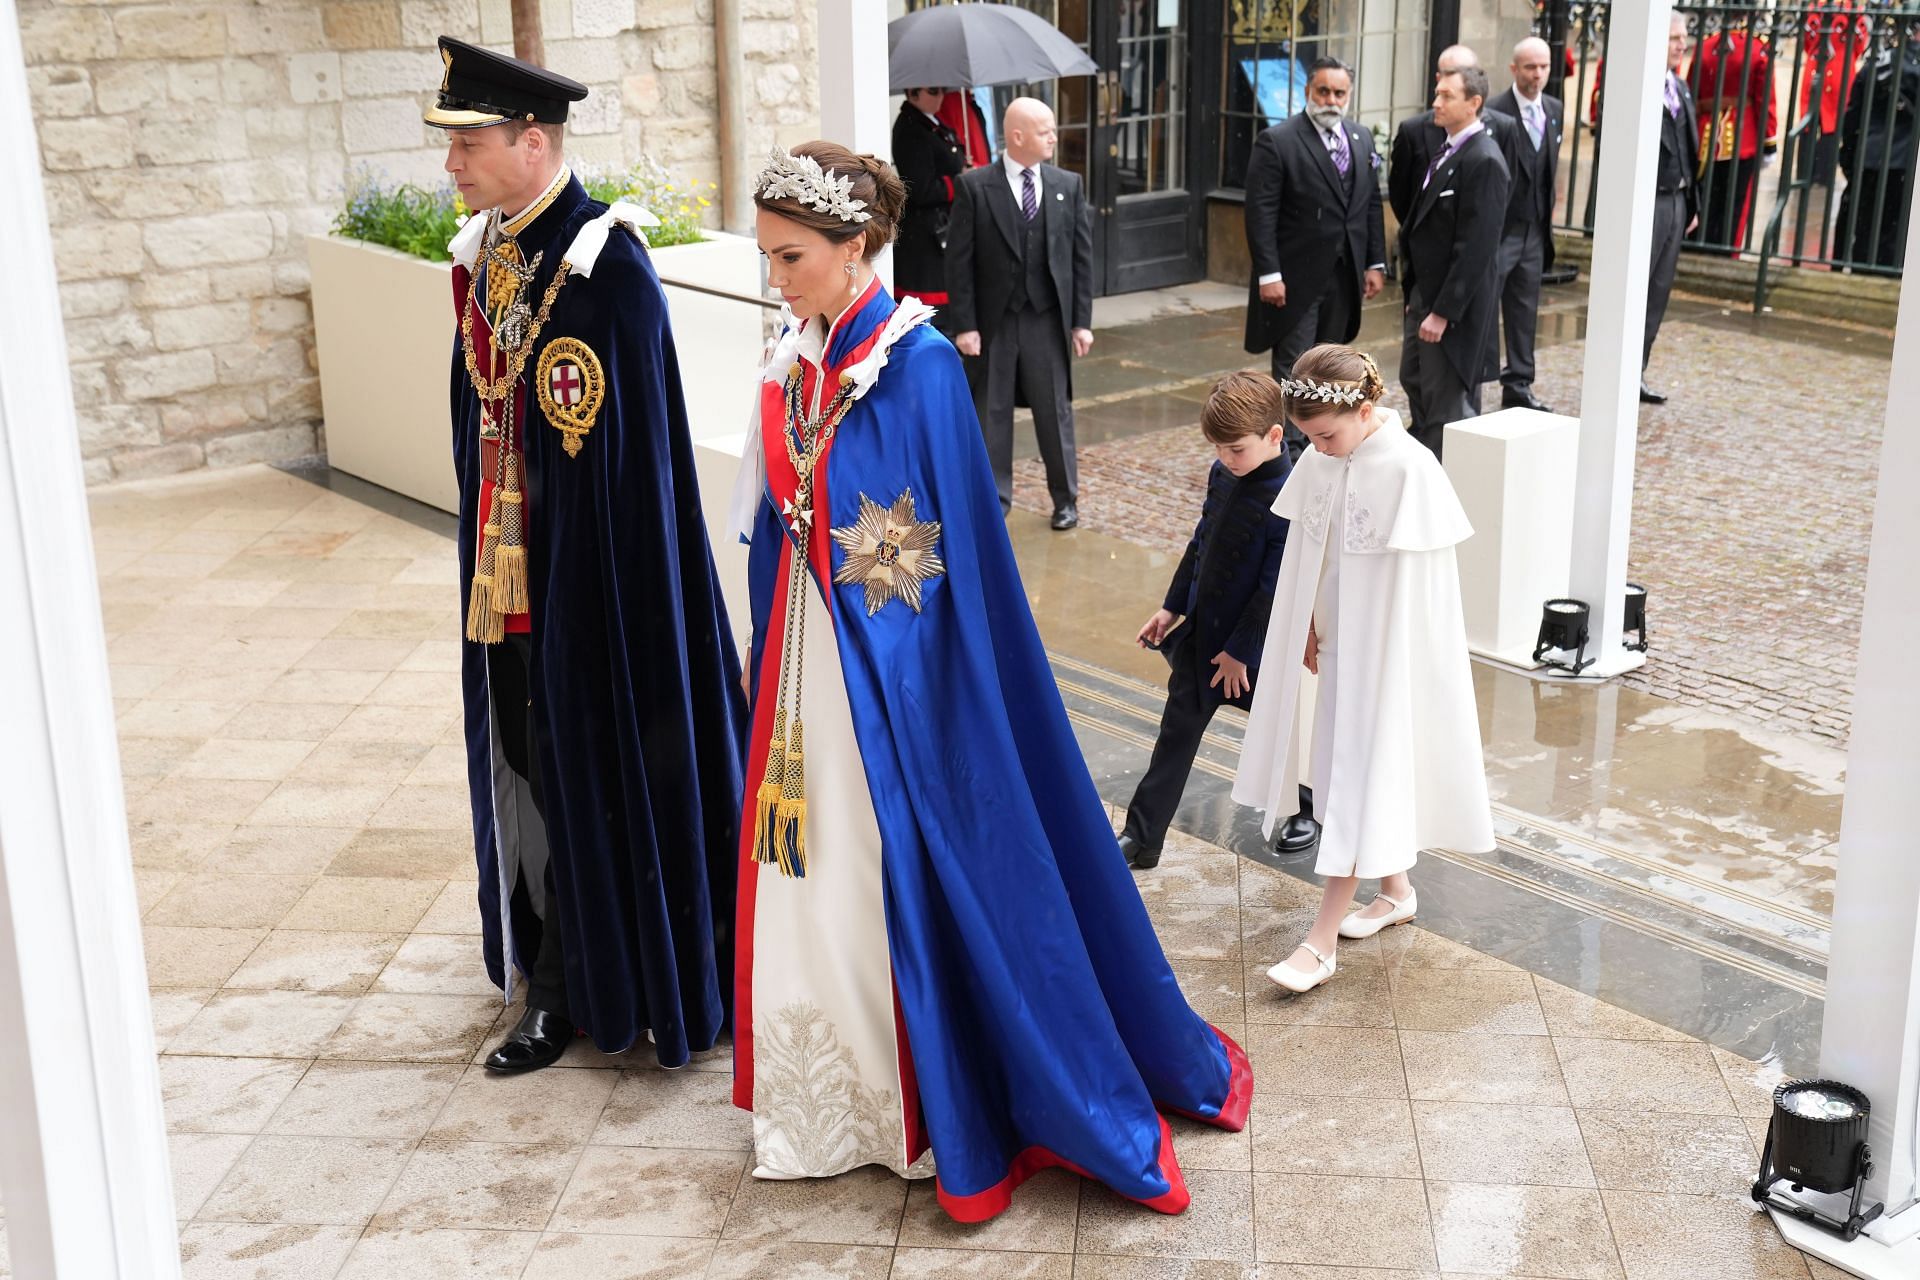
<point x="1138" y="856"/>
<point x="1297" y="835"/>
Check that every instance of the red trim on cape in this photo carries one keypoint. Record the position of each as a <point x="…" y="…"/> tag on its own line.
<point x="933" y="298"/>
<point x="982" y="1205"/>
<point x="1233" y="1111"/>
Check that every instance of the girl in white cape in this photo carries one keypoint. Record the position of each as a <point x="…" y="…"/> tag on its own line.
<point x="1369" y="596"/>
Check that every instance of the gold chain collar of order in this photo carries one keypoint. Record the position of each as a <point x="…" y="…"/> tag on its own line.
<point x="490" y="389"/>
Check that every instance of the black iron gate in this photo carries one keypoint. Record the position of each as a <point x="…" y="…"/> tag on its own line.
<point x="1807" y="114"/>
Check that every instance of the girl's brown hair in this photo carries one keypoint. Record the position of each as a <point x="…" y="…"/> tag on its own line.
<point x="874" y="181"/>
<point x="1342" y="366"/>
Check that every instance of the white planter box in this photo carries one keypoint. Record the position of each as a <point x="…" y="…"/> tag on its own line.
<point x="384" y="323"/>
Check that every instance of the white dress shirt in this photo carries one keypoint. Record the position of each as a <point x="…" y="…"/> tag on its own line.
<point x="1014" y="171"/>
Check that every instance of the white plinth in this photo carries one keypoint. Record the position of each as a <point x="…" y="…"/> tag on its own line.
<point x="1514" y="473"/>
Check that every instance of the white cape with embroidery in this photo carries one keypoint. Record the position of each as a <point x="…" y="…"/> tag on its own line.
<point x="1396" y="737"/>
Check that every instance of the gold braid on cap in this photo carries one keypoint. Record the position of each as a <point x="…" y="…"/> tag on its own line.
<point x="787" y="176"/>
<point x="1345" y="391"/>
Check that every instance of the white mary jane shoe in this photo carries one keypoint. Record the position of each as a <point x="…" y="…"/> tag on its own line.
<point x="1299" y="981"/>
<point x="1358" y="926"/>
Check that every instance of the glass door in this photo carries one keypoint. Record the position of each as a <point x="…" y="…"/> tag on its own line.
<point x="1141" y="182"/>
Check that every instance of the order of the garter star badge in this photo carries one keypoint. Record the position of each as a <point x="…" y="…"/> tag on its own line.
<point x="889" y="552"/>
<point x="570" y="386"/>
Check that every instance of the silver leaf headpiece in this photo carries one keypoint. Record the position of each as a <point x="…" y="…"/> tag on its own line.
<point x="801" y="178"/>
<point x="1347" y="393"/>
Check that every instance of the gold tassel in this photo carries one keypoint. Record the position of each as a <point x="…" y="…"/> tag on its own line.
<point x="510" y="562"/>
<point x="790" y="815"/>
<point x="485" y="623"/>
<point x="767" y="798"/>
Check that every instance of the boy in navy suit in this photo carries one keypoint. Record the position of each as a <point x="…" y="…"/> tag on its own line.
<point x="1214" y="621"/>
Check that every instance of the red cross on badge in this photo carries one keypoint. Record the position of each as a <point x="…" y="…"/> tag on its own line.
<point x="564" y="385"/>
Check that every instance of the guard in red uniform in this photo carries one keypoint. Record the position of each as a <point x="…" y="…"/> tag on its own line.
<point x="1836" y="40"/>
<point x="1732" y="82"/>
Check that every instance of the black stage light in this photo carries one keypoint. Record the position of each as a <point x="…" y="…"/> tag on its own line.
<point x="1817" y="1140"/>
<point x="1636" y="620"/>
<point x="1563" y="628"/>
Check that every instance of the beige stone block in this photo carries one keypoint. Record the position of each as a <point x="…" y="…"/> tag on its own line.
<point x="274" y="444"/>
<point x="120" y="87"/>
<point x="163" y="289"/>
<point x="599" y="114"/>
<point x="384" y="1252"/>
<point x="678" y="48"/>
<point x="409" y="855"/>
<point x="199" y="1161"/>
<point x="58" y="92"/>
<point x="273" y="315"/>
<point x="597" y="19"/>
<point x="1218" y="1224"/>
<point x="264" y="1024"/>
<point x="333" y="1181"/>
<point x="382" y="124"/>
<point x="204" y="415"/>
<point x="177" y="330"/>
<point x="414" y="1028"/>
<point x="337" y="903"/>
<point x="271" y="128"/>
<point x="236" y="1248"/>
<point x="191" y="138"/>
<point x="92" y="251"/>
<point x="314" y="77"/>
<point x="562" y="1256"/>
<point x="657" y="15"/>
<point x="689" y="1192"/>
<point x="248" y="280"/>
<point x="114" y="427"/>
<point x="777" y="1260"/>
<point x="102" y="337"/>
<point x="1527" y="1230"/>
<point x="95" y="471"/>
<point x="387" y="72"/>
<point x="49" y="34"/>
<point x="275" y="29"/>
<point x="423" y="22"/>
<point x="563" y="1109"/>
<point x="68" y="198"/>
<point x="194" y="82"/>
<point x="158" y="376"/>
<point x="170" y="31"/>
<point x="365" y="1100"/>
<point x="166" y="460"/>
<point x="592" y="62"/>
<point x="343" y="963"/>
<point x="1040" y="1219"/>
<point x="223" y="1095"/>
<point x="361" y="24"/>
<point x="84" y="298"/>
<point x="455" y="910"/>
<point x="185" y="956"/>
<point x="449" y="965"/>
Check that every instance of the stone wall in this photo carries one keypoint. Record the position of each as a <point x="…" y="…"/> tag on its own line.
<point x="189" y="149"/>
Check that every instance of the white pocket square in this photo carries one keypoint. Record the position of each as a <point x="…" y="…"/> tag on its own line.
<point x="1444" y="194"/>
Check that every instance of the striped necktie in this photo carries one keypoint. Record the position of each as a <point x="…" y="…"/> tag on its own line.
<point x="1029" y="202"/>
<point x="1337" y="146"/>
<point x="1435" y="166"/>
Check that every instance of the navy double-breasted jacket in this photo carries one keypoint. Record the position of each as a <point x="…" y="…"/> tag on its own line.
<point x="1224" y="585"/>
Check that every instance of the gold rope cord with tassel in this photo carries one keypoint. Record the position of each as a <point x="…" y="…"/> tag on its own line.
<point x="780" y="805"/>
<point x="510" y="558"/>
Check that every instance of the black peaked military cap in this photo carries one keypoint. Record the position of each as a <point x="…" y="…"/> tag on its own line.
<point x="482" y="87"/>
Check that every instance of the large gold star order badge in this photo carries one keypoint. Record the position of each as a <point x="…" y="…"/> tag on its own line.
<point x="890" y="552"/>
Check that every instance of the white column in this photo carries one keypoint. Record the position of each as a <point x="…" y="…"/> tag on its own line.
<point x="1871" y="1034"/>
<point x="854" y="98"/>
<point x="1616" y="320"/>
<point x="83" y="1152"/>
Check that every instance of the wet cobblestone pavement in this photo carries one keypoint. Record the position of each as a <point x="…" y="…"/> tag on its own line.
<point x="1752" y="508"/>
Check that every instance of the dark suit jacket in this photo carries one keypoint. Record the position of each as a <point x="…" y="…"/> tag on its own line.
<point x="1532" y="171"/>
<point x="1680" y="149"/>
<point x="983" y="249"/>
<point x="929" y="159"/>
<point x="1302" y="217"/>
<point x="1223" y="589"/>
<point x="1418" y="140"/>
<point x="1451" y="243"/>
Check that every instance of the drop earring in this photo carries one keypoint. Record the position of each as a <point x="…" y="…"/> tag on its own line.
<point x="853" y="279"/>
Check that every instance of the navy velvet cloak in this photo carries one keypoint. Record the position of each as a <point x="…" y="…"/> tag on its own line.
<point x="634" y="676"/>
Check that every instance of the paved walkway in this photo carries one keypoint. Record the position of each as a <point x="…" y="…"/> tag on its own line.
<point x="1753" y="502"/>
<point x="283" y="660"/>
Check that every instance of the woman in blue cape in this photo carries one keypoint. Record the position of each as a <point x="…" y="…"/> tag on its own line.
<point x="940" y="948"/>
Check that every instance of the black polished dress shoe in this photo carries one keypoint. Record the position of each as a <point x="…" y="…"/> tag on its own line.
<point x="1066" y="517"/>
<point x="1138" y="856"/>
<point x="1649" y="396"/>
<point x="1523" y="399"/>
<point x="1297" y="835"/>
<point x="536" y="1041"/>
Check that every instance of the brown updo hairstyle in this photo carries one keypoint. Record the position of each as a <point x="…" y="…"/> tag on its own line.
<point x="874" y="181"/>
<point x="1333" y="362"/>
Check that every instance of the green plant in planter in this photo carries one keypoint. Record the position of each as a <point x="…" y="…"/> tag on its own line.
<point x="420" y="221"/>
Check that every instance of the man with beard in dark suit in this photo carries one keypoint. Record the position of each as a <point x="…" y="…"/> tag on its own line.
<point x="1526" y="243"/>
<point x="1020" y="286"/>
<point x="1451" y="244"/>
<point x="1314" y="228"/>
<point x="1676" y="199"/>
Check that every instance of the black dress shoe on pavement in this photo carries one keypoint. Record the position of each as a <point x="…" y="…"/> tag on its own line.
<point x="1297" y="835"/>
<point x="1066" y="517"/>
<point x="1523" y="399"/>
<point x="1138" y="856"/>
<point x="1649" y="396"/>
<point x="536" y="1041"/>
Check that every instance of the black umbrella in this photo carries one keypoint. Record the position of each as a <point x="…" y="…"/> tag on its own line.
<point x="962" y="45"/>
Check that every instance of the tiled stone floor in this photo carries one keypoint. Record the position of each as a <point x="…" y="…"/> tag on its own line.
<point x="1752" y="507"/>
<point x="283" y="660"/>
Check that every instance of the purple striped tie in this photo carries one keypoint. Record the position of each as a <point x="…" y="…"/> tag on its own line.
<point x="1029" y="202"/>
<point x="1435" y="166"/>
<point x="1342" y="155"/>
